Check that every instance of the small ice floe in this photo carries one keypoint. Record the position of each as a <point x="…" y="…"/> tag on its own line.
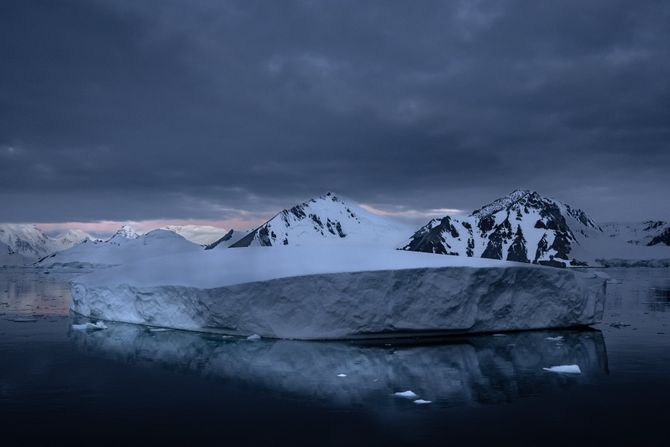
<point x="422" y="401"/>
<point x="89" y="326"/>
<point x="565" y="369"/>
<point x="254" y="337"/>
<point x="499" y="335"/>
<point x="406" y="394"/>
<point x="158" y="329"/>
<point x="557" y="338"/>
<point x="341" y="375"/>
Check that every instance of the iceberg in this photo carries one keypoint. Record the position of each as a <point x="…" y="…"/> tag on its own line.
<point x="308" y="293"/>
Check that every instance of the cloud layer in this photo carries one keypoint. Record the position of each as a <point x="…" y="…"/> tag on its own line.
<point x="122" y="110"/>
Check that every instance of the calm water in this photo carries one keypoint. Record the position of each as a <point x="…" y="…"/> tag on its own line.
<point x="131" y="384"/>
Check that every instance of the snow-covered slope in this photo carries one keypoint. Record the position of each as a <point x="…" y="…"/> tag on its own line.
<point x="327" y="219"/>
<point x="228" y="239"/>
<point x="522" y="226"/>
<point x="70" y="238"/>
<point x="199" y="234"/>
<point x="297" y="292"/>
<point x="640" y="233"/>
<point x="120" y="249"/>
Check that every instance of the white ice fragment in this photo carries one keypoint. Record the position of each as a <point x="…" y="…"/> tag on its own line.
<point x="159" y="329"/>
<point x="565" y="369"/>
<point x="406" y="394"/>
<point x="254" y="337"/>
<point x="89" y="326"/>
<point x="499" y="335"/>
<point x="341" y="375"/>
<point x="557" y="338"/>
<point x="422" y="401"/>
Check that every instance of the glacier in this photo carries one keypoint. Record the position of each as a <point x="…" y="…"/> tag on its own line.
<point x="304" y="293"/>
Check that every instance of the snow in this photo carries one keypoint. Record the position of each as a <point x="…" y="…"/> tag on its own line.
<point x="422" y="401"/>
<point x="302" y="292"/>
<point x="254" y="337"/>
<point x="121" y="250"/>
<point x="89" y="326"/>
<point x="198" y="234"/>
<point x="341" y="375"/>
<point x="564" y="369"/>
<point x="409" y="394"/>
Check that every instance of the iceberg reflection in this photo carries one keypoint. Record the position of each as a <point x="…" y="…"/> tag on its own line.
<point x="452" y="371"/>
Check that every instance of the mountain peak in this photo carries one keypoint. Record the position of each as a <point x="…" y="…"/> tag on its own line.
<point x="125" y="232"/>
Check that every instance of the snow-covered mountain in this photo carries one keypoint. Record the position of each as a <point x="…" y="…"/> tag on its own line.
<point x="522" y="226"/>
<point x="327" y="219"/>
<point x="199" y="234"/>
<point x="32" y="243"/>
<point x="640" y="233"/>
<point x="125" y="246"/>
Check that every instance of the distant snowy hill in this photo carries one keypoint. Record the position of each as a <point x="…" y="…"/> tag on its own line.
<point x="125" y="246"/>
<point x="327" y="219"/>
<point x="523" y="226"/>
<point x="32" y="243"/>
<point x="641" y="233"/>
<point x="199" y="234"/>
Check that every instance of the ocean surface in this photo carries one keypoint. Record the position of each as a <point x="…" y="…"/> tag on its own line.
<point x="133" y="384"/>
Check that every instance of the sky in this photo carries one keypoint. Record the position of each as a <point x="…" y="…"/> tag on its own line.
<point x="225" y="112"/>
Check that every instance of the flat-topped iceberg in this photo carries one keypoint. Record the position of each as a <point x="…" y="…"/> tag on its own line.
<point x="312" y="293"/>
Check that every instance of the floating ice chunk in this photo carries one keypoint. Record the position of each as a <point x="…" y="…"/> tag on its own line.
<point x="557" y="338"/>
<point x="341" y="375"/>
<point x="422" y="401"/>
<point x="159" y="329"/>
<point x="89" y="326"/>
<point x="499" y="335"/>
<point x="254" y="337"/>
<point x="565" y="369"/>
<point x="406" y="394"/>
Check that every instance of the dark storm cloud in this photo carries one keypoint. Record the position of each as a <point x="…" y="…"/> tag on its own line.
<point x="176" y="109"/>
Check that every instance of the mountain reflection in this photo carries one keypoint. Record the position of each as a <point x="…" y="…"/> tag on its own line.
<point x="454" y="371"/>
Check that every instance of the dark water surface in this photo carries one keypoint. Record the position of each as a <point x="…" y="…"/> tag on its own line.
<point x="133" y="385"/>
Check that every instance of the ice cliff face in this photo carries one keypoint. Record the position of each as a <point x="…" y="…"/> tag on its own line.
<point x="325" y="220"/>
<point x="522" y="227"/>
<point x="345" y="295"/>
<point x="465" y="371"/>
